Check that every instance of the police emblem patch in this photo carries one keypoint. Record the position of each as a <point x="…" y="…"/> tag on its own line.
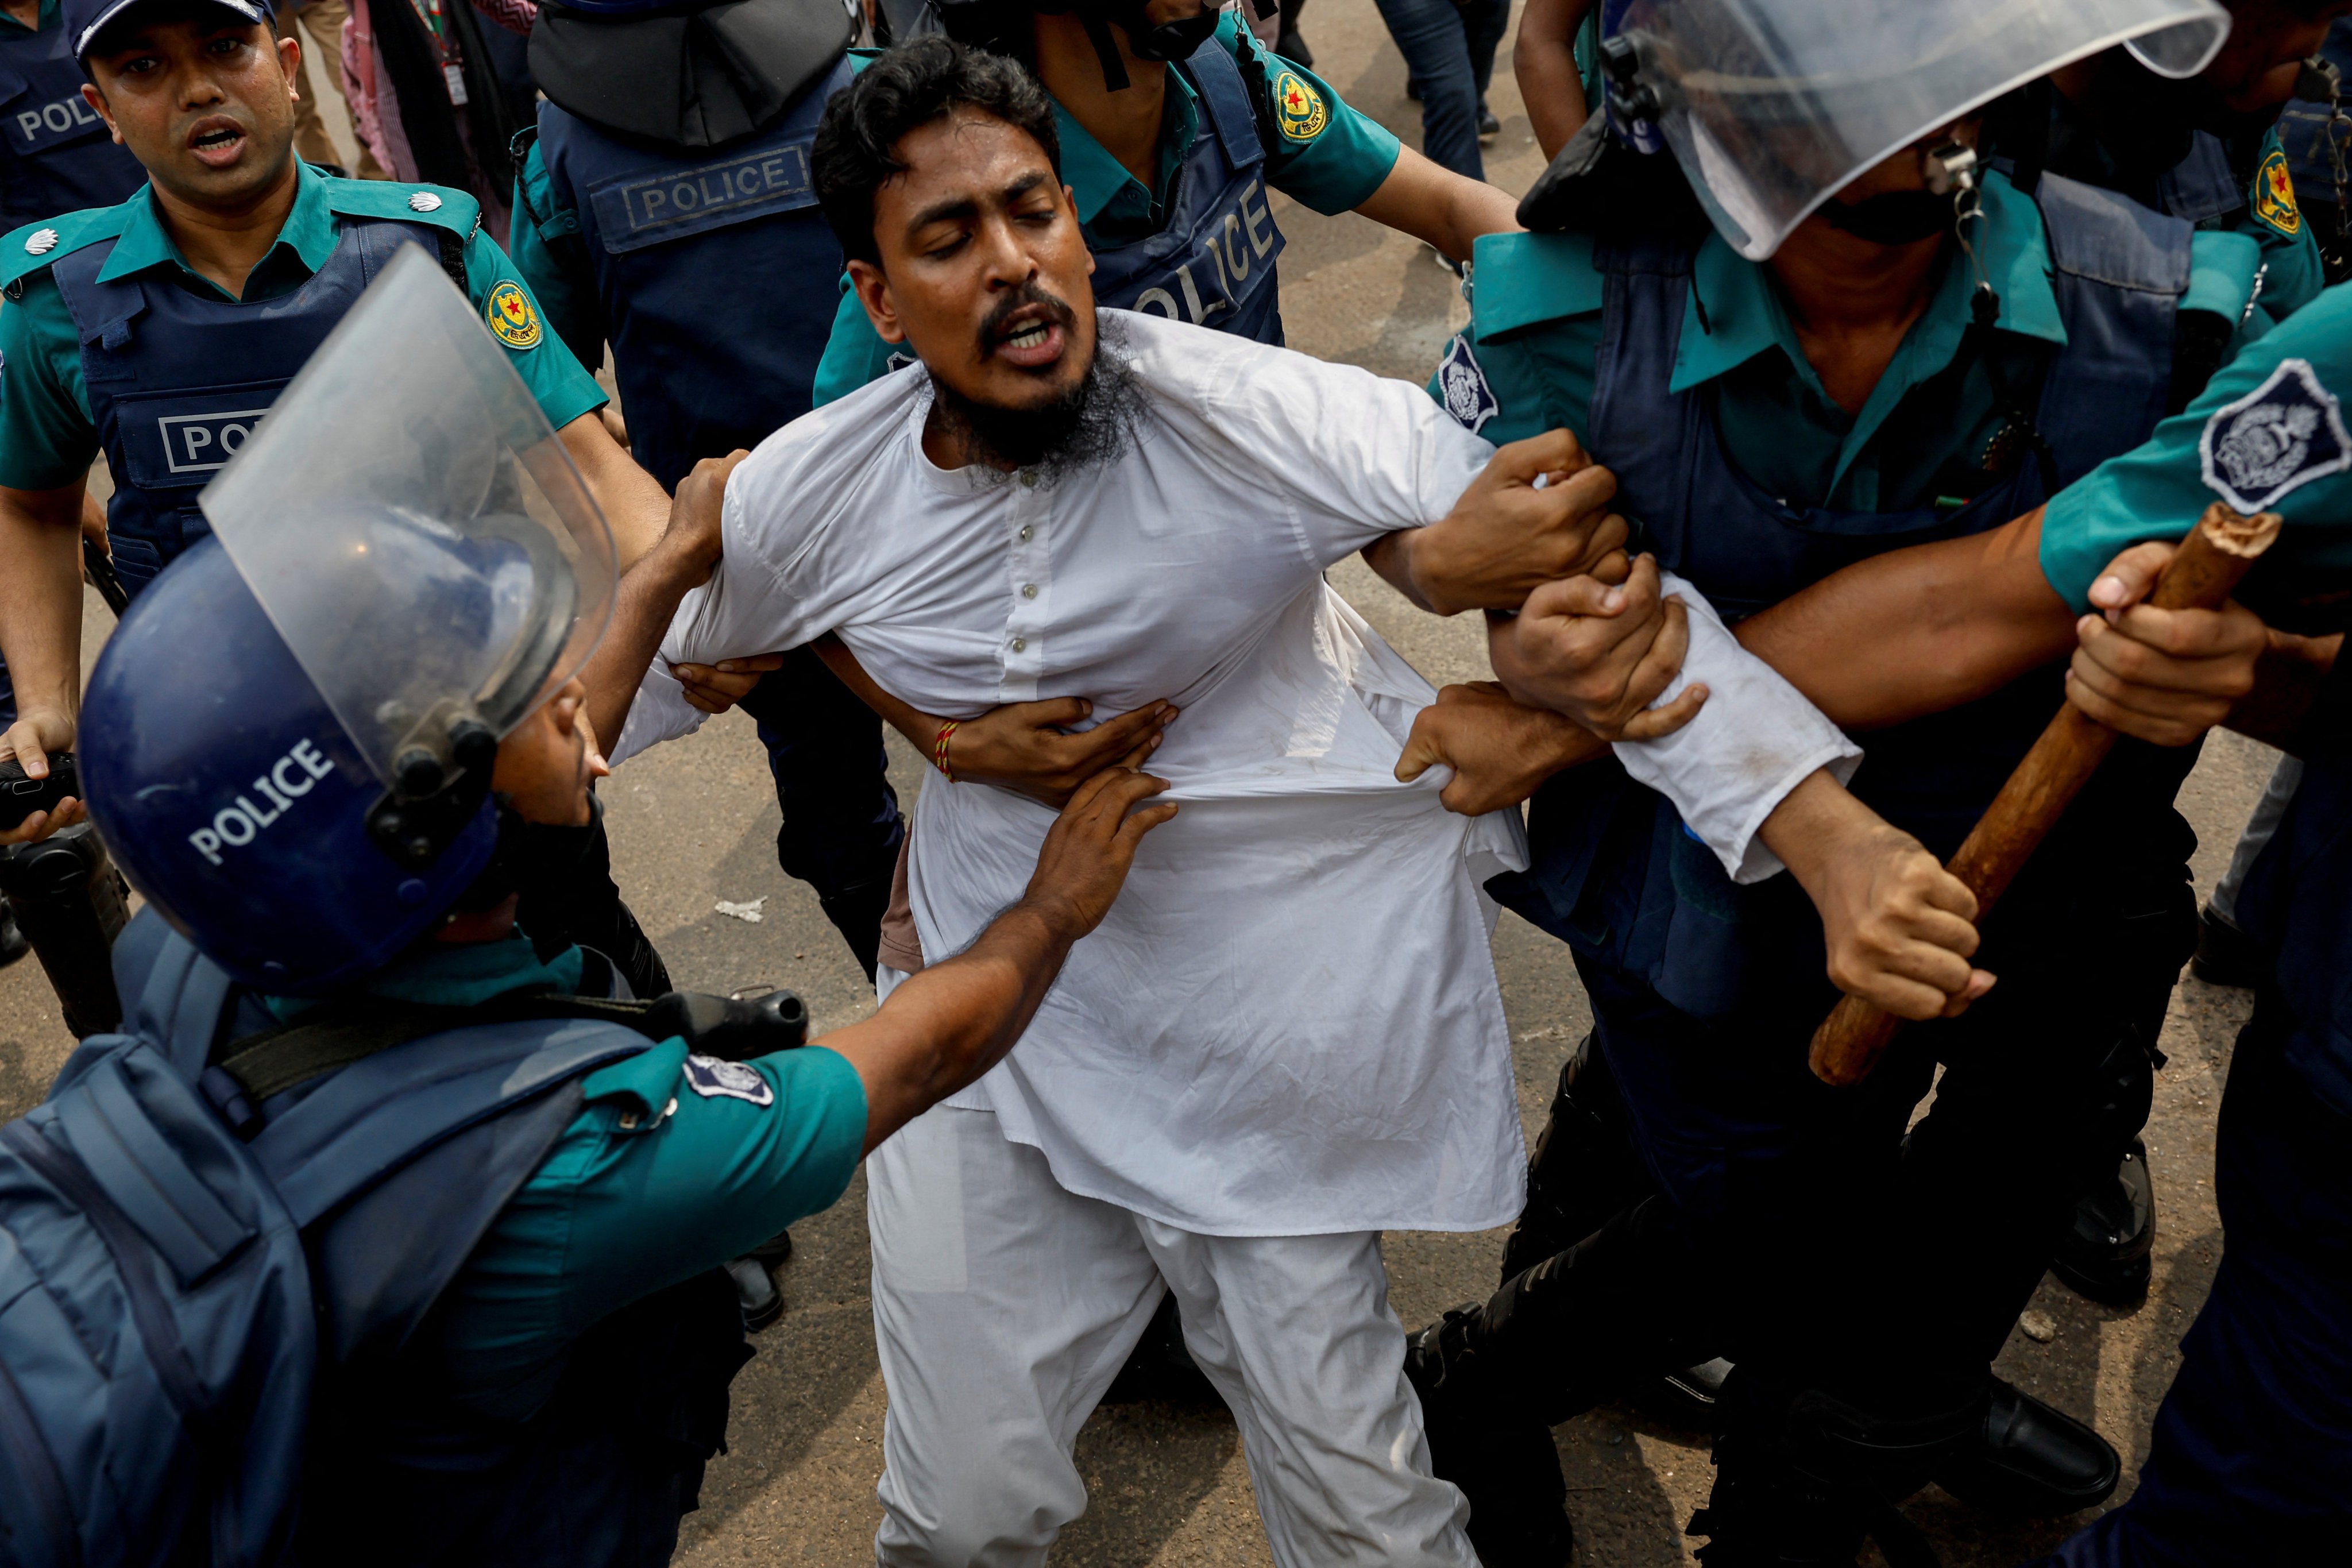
<point x="714" y="1079"/>
<point x="2278" y="437"/>
<point x="511" y="316"/>
<point x="1299" y="108"/>
<point x="1463" y="386"/>
<point x="2274" y="195"/>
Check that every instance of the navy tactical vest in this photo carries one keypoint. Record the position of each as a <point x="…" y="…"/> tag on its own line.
<point x="716" y="272"/>
<point x="393" y="1168"/>
<point x="1615" y="873"/>
<point x="1213" y="263"/>
<point x="177" y="380"/>
<point x="56" y="155"/>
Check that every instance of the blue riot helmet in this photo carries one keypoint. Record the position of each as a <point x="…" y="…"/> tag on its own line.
<point x="288" y="741"/>
<point x="1769" y="109"/>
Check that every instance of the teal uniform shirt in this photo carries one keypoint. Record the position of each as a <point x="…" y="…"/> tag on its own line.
<point x="2259" y="426"/>
<point x="2292" y="273"/>
<point x="1536" y="331"/>
<point x="565" y="290"/>
<point x="47" y="436"/>
<point x="1332" y="170"/>
<point x="652" y="1183"/>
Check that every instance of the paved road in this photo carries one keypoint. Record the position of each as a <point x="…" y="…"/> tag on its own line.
<point x="694" y="824"/>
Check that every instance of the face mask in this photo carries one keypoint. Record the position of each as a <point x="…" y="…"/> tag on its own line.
<point x="1898" y="217"/>
<point x="1170" y="40"/>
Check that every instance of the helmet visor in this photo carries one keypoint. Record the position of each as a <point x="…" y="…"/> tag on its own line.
<point x="1772" y="106"/>
<point x="414" y="527"/>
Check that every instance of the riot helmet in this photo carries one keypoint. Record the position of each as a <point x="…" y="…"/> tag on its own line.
<point x="1771" y="108"/>
<point x="288" y="741"/>
<point x="686" y="73"/>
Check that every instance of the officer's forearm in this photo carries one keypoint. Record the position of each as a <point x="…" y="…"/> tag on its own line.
<point x="947" y="1024"/>
<point x="1544" y="60"/>
<point x="1437" y="205"/>
<point x="1920" y="630"/>
<point x="920" y="728"/>
<point x="40" y="597"/>
<point x="637" y="508"/>
<point x="642" y="608"/>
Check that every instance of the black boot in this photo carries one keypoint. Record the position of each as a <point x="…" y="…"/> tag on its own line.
<point x="2031" y="1461"/>
<point x="2226" y="955"/>
<point x="1161" y="1367"/>
<point x="2105" y="1254"/>
<point x="1503" y="1460"/>
<point x="1801" y="1477"/>
<point x="1584" y="1168"/>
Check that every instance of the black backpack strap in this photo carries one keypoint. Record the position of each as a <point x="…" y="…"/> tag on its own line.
<point x="453" y="258"/>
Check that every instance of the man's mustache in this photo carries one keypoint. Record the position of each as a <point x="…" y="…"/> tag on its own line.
<point x="1028" y="294"/>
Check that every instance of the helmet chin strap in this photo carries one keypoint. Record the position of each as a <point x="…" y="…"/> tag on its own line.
<point x="1114" y="69"/>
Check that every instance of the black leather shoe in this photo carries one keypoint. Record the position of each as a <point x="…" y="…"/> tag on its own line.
<point x="13" y="944"/>
<point x="1691" y="1398"/>
<point x="1505" y="1464"/>
<point x="2104" y="1253"/>
<point x="1488" y="126"/>
<point x="2033" y="1461"/>
<point x="2226" y="955"/>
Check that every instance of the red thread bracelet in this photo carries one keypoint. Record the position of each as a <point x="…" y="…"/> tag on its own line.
<point x="939" y="750"/>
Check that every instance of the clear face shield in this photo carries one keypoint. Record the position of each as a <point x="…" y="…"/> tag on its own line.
<point x="416" y="533"/>
<point x="1771" y="106"/>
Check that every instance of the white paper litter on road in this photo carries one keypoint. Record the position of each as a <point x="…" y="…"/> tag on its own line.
<point x="748" y="913"/>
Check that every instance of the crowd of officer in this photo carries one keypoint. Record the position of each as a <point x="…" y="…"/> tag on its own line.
<point x="2072" y="296"/>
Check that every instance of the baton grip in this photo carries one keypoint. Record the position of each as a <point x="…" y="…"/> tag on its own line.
<point x="2205" y="570"/>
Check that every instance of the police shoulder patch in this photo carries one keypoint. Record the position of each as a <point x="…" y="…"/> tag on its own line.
<point x="511" y="316"/>
<point x="1298" y="109"/>
<point x="715" y="1079"/>
<point x="2274" y="195"/>
<point x="2278" y="437"/>
<point x="1462" y="385"/>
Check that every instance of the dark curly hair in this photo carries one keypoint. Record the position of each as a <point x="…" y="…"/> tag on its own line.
<point x="857" y="150"/>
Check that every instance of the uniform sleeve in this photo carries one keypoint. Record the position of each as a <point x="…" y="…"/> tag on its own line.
<point x="1756" y="739"/>
<point x="564" y="391"/>
<point x="2292" y="274"/>
<point x="1524" y="364"/>
<point x="2157" y="491"/>
<point x="1319" y="151"/>
<point x="855" y="353"/>
<point x="678" y="1191"/>
<point x="46" y="438"/>
<point x="549" y="258"/>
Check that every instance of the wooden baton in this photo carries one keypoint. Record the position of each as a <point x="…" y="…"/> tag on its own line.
<point x="2202" y="573"/>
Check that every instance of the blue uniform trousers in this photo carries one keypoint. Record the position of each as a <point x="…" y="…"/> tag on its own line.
<point x="842" y="829"/>
<point x="1847" y="1257"/>
<point x="2251" y="1463"/>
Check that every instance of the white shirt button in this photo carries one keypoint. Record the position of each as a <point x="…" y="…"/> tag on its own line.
<point x="1027" y="533"/>
<point x="1028" y="590"/>
<point x="1020" y="644"/>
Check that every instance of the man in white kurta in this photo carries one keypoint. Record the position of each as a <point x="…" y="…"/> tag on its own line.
<point x="1288" y="1027"/>
<point x="1287" y="1036"/>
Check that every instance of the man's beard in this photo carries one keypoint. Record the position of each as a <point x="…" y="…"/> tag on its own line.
<point x="1089" y="427"/>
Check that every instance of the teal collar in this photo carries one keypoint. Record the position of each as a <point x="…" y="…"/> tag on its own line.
<point x="1096" y="178"/>
<point x="1745" y="316"/>
<point x="458" y="975"/>
<point x="42" y="22"/>
<point x="309" y="234"/>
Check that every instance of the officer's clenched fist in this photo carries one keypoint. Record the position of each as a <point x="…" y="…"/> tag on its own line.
<point x="696" y="512"/>
<point x="1091" y="845"/>
<point x="1599" y="647"/>
<point x="1500" y="751"/>
<point x="1539" y="511"/>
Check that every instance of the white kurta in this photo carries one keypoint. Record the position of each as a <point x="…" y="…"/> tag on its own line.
<point x="1290" y="1024"/>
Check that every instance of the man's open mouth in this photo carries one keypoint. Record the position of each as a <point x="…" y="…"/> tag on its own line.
<point x="1031" y="335"/>
<point x="216" y="140"/>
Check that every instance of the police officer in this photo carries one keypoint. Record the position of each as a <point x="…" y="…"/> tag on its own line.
<point x="2252" y="1445"/>
<point x="1174" y="122"/>
<point x="160" y="329"/>
<point x="664" y="205"/>
<point x="1850" y="357"/>
<point x="524" y="1342"/>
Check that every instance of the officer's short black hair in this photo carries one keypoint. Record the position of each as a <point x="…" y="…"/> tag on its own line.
<point x="910" y="87"/>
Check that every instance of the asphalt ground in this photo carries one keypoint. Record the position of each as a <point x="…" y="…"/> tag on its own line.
<point x="694" y="822"/>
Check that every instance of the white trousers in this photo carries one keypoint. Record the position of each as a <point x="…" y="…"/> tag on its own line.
<point x="1004" y="1305"/>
